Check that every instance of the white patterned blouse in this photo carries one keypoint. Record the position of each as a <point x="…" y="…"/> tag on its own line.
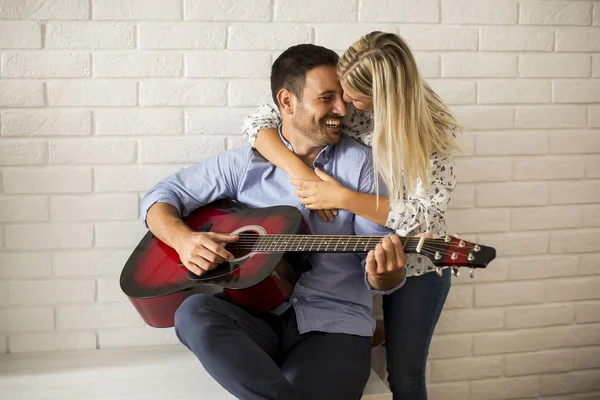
<point x="422" y="212"/>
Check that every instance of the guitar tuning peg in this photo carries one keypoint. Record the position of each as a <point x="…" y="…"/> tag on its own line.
<point x="471" y="272"/>
<point x="438" y="271"/>
<point x="455" y="272"/>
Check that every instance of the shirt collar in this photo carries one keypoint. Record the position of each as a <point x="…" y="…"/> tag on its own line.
<point x="323" y="157"/>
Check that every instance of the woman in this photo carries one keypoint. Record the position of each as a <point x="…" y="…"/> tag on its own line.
<point x="411" y="132"/>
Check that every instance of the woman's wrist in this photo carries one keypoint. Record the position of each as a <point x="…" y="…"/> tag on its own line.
<point x="348" y="199"/>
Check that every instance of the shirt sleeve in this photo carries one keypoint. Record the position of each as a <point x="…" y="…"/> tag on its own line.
<point x="213" y="179"/>
<point x="265" y="117"/>
<point x="424" y="211"/>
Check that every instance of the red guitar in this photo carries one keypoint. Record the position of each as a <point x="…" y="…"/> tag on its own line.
<point x="260" y="277"/>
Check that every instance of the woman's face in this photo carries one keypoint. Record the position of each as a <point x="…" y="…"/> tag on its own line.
<point x="360" y="102"/>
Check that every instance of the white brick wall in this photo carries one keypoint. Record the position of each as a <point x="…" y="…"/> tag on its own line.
<point x="99" y="99"/>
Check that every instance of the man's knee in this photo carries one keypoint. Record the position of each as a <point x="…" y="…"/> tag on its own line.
<point x="195" y="314"/>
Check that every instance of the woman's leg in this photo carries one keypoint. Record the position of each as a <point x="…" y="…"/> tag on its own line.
<point x="410" y="316"/>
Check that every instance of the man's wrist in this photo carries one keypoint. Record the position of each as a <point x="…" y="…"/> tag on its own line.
<point x="387" y="282"/>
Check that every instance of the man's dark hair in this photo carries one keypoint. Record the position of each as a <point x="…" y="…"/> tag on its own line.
<point x="290" y="68"/>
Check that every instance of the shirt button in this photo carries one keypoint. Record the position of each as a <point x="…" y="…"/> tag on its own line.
<point x="294" y="300"/>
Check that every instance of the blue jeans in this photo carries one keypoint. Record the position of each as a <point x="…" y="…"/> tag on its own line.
<point x="410" y="315"/>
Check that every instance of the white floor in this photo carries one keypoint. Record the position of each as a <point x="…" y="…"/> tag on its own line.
<point x="166" y="372"/>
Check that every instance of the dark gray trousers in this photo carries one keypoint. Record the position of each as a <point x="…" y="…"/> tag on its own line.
<point x="264" y="357"/>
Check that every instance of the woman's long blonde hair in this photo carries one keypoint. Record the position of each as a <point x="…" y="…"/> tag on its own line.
<point x="410" y="120"/>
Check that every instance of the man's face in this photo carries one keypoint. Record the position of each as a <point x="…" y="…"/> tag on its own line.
<point x="318" y="113"/>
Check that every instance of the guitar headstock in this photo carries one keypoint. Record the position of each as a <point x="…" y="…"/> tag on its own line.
<point x="450" y="251"/>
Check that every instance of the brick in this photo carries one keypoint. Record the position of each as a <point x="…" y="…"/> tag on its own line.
<point x="315" y="11"/>
<point x="46" y="123"/>
<point x="539" y="316"/>
<point x="45" y="9"/>
<point x="513" y="293"/>
<point x="47" y="180"/>
<point x="587" y="312"/>
<point x="594" y="116"/>
<point x="485" y="118"/>
<point x="132" y="65"/>
<point x="3" y="344"/>
<point x="96" y="316"/>
<point x="466" y="141"/>
<point x="459" y="321"/>
<point x="525" y="219"/>
<point x="578" y="39"/>
<point x="479" y="220"/>
<point x="430" y="65"/>
<point x="585" y="288"/>
<point x="48" y="236"/>
<point x="576" y="91"/>
<point x="591" y="216"/>
<point x="550" y="117"/>
<point x="94" y="207"/>
<point x="584" y="381"/>
<point x="94" y="151"/>
<point x="130" y="337"/>
<point x="497" y="271"/>
<point x="189" y="92"/>
<point x="399" y="11"/>
<point x="542" y="267"/>
<point x="517" y="38"/>
<point x="483" y="169"/>
<point x="587" y="358"/>
<point x="130" y="178"/>
<point x="443" y="391"/>
<point x="549" y="167"/>
<point x="28" y="209"/>
<point x="574" y="192"/>
<point x="138" y="122"/>
<point x="572" y="242"/>
<point x="511" y="194"/>
<point x="182" y="150"/>
<point x="110" y="291"/>
<point x="228" y="10"/>
<point x="466" y="368"/>
<point x="27" y="319"/>
<point x="249" y="92"/>
<point x="228" y="64"/>
<point x="455" y="91"/>
<point x="439" y="37"/>
<point x="3" y="293"/>
<point x="234" y="142"/>
<point x="46" y="64"/>
<point x="21" y="94"/>
<point x="273" y="36"/>
<point x="341" y="36"/>
<point x="588" y="264"/>
<point x="119" y="234"/>
<point x="51" y="292"/>
<point x="479" y="65"/>
<point x="216" y="121"/>
<point x="52" y="341"/>
<point x="555" y="13"/>
<point x="89" y="263"/>
<point x="23" y="153"/>
<point x="450" y="346"/>
<point x="507" y="342"/>
<point x="570" y="336"/>
<point x="137" y="10"/>
<point x="520" y="91"/>
<point x="89" y="35"/>
<point x="188" y="35"/>
<point x="554" y="65"/>
<point x="463" y="197"/>
<point x="460" y="297"/>
<point x="502" y="143"/>
<point x="596" y="63"/>
<point x="575" y="141"/>
<point x="19" y="34"/>
<point x="479" y="12"/>
<point x="517" y="243"/>
<point x="505" y="388"/>
<point x="92" y="93"/>
<point x="25" y="265"/>
<point x="596" y="21"/>
<point x="538" y="363"/>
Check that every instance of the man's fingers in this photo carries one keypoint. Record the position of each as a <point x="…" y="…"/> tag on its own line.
<point x="380" y="258"/>
<point x="390" y="255"/>
<point x="329" y="215"/>
<point x="398" y="250"/>
<point x="371" y="265"/>
<point x="322" y="214"/>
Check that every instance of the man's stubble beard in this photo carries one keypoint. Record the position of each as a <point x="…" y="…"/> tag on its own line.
<point x="305" y="124"/>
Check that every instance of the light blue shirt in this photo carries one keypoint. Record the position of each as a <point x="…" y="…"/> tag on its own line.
<point x="332" y="297"/>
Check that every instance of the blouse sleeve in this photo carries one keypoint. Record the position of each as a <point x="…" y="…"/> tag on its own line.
<point x="358" y="125"/>
<point x="265" y="117"/>
<point x="425" y="210"/>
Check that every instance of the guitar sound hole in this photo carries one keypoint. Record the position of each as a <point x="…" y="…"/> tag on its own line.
<point x="244" y="245"/>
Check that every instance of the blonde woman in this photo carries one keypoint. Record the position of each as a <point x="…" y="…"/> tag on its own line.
<point x="411" y="133"/>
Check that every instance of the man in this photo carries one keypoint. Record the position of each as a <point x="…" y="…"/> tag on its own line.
<point x="317" y="345"/>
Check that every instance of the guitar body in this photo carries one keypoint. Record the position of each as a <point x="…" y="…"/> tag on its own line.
<point x="156" y="283"/>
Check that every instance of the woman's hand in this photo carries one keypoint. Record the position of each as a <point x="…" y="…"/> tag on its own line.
<point x="323" y="194"/>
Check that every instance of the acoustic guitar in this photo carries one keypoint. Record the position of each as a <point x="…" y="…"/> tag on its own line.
<point x="269" y="257"/>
